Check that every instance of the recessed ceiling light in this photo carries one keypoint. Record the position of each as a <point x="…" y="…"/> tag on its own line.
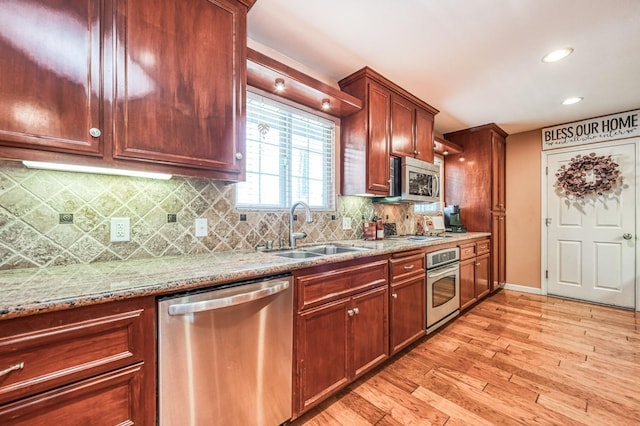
<point x="556" y="55"/>
<point x="571" y="101"/>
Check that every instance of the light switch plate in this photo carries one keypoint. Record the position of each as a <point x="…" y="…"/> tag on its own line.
<point x="201" y="227"/>
<point x="346" y="223"/>
<point x="120" y="229"/>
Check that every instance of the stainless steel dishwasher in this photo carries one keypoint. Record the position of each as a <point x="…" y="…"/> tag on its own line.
<point x="224" y="356"/>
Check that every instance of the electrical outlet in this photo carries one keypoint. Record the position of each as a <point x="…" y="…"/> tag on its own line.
<point x="201" y="227"/>
<point x="120" y="229"/>
<point x="346" y="223"/>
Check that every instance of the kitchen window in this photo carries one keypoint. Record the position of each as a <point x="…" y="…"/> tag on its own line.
<point x="289" y="156"/>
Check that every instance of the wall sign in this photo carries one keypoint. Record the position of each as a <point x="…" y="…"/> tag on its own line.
<point x="609" y="127"/>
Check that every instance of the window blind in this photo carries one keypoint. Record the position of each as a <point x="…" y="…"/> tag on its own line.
<point x="289" y="157"/>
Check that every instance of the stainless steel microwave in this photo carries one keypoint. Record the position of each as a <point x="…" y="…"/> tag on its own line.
<point x="414" y="180"/>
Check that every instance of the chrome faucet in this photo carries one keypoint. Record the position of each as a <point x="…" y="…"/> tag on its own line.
<point x="293" y="236"/>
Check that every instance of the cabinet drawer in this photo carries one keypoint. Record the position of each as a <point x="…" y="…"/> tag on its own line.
<point x="55" y="349"/>
<point x="467" y="251"/>
<point x="315" y="289"/>
<point x="406" y="266"/>
<point x="483" y="247"/>
<point x="109" y="399"/>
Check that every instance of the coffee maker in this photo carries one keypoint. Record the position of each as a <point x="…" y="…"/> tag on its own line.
<point x="452" y="219"/>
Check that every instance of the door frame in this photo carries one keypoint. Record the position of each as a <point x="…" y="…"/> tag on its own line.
<point x="544" y="177"/>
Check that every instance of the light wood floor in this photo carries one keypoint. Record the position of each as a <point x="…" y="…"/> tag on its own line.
<point x="515" y="358"/>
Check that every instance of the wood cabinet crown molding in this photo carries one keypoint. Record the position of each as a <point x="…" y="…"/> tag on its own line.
<point x="489" y="126"/>
<point x="301" y="88"/>
<point x="378" y="78"/>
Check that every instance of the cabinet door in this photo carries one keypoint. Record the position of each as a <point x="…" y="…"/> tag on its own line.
<point x="482" y="276"/>
<point x="370" y="329"/>
<point x="424" y="135"/>
<point x="498" y="251"/>
<point x="467" y="282"/>
<point x="50" y="62"/>
<point x="110" y="399"/>
<point x="322" y="352"/>
<point x="180" y="82"/>
<point x="408" y="310"/>
<point x="378" y="168"/>
<point x="498" y="171"/>
<point x="402" y="113"/>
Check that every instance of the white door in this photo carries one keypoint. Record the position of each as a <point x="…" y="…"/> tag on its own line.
<point x="591" y="241"/>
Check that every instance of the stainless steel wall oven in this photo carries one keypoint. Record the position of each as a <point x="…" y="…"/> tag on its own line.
<point x="443" y="287"/>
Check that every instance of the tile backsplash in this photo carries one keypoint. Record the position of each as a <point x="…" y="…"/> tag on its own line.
<point x="32" y="202"/>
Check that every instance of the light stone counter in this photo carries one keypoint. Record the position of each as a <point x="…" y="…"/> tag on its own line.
<point x="30" y="291"/>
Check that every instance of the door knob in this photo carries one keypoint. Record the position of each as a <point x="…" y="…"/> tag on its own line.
<point x="626" y="236"/>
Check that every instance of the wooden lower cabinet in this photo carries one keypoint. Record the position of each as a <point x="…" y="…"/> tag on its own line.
<point x="338" y="339"/>
<point x="407" y="301"/>
<point x="475" y="278"/>
<point x="90" y="365"/>
<point x="109" y="399"/>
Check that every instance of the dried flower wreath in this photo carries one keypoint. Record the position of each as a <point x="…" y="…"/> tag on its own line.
<point x="586" y="175"/>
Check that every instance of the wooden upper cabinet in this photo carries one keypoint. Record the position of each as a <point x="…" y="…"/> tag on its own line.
<point x="392" y="122"/>
<point x="50" y="64"/>
<point x="498" y="171"/>
<point x="402" y="119"/>
<point x="156" y="86"/>
<point x="378" y="166"/>
<point x="181" y="81"/>
<point x="424" y="135"/>
<point x="411" y="130"/>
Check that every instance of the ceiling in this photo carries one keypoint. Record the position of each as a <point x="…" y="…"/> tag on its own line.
<point x="476" y="61"/>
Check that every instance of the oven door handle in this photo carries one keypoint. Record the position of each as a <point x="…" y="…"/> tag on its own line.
<point x="225" y="302"/>
<point x="443" y="271"/>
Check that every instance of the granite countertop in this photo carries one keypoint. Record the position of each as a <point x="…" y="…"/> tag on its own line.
<point x="35" y="290"/>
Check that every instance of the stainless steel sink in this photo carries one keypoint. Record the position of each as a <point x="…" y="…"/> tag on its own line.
<point x="333" y="249"/>
<point x="297" y="254"/>
<point x="319" y="250"/>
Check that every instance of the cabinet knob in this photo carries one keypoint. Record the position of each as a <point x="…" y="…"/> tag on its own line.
<point x="477" y="263"/>
<point x="95" y="132"/>
<point x="239" y="156"/>
<point x="350" y="312"/>
<point x="356" y="311"/>
<point x="394" y="295"/>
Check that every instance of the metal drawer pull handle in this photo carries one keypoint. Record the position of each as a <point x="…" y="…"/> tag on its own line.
<point x="356" y="311"/>
<point x="236" y="299"/>
<point x="12" y="368"/>
<point x="409" y="267"/>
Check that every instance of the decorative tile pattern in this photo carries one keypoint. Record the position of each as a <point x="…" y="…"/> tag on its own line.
<point x="32" y="200"/>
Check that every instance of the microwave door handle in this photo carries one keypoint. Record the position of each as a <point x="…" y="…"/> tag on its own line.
<point x="435" y="186"/>
<point x="224" y="302"/>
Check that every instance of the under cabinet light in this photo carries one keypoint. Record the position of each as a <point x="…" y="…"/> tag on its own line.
<point x="326" y="104"/>
<point x="279" y="84"/>
<point x="91" y="169"/>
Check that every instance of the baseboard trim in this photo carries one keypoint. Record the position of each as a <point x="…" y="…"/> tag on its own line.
<point x="522" y="288"/>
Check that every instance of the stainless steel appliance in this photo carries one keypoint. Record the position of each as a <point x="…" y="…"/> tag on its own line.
<point x="412" y="180"/>
<point x="443" y="287"/>
<point x="419" y="181"/>
<point x="452" y="219"/>
<point x="225" y="355"/>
